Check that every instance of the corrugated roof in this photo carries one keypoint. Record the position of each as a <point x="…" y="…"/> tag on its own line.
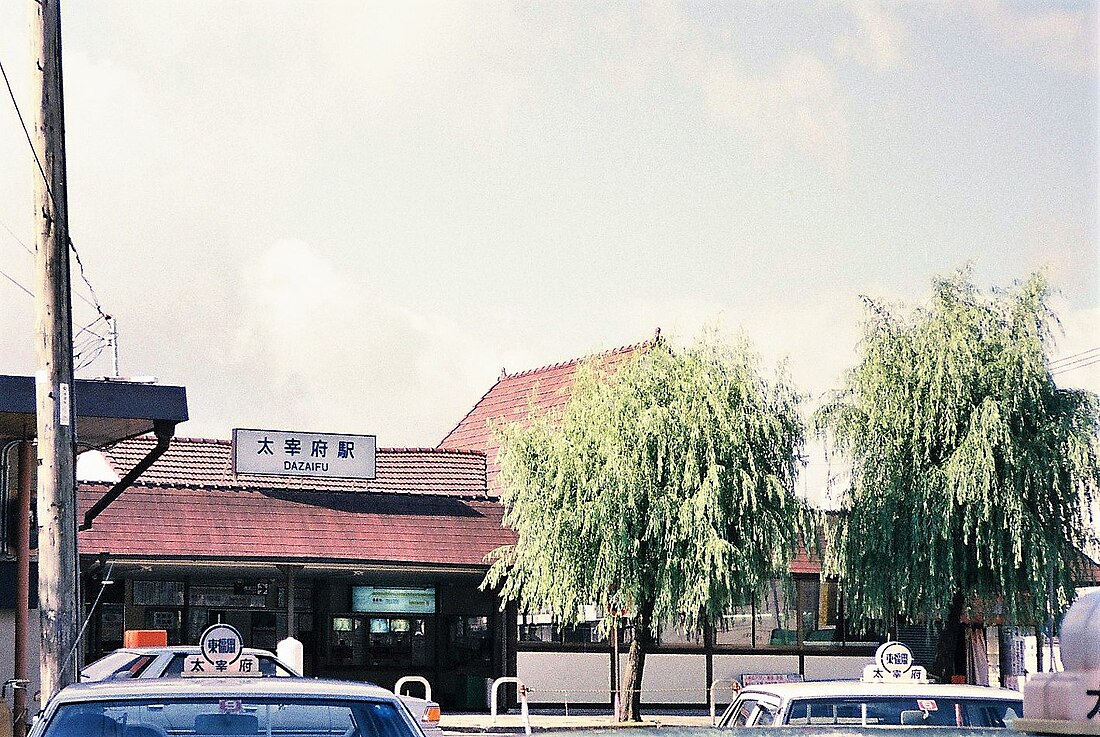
<point x="194" y="462"/>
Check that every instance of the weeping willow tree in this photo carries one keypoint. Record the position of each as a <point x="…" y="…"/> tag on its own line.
<point x="970" y="469"/>
<point x="664" y="490"/>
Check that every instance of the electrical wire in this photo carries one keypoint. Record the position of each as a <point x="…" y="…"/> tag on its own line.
<point x="1076" y="357"/>
<point x="41" y="170"/>
<point x="11" y="278"/>
<point x="26" y="132"/>
<point x="71" y="658"/>
<point x="88" y="329"/>
<point x="16" y="238"/>
<point x="1073" y="367"/>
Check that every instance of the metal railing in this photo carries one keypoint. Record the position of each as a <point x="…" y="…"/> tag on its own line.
<point x="734" y="685"/>
<point x="414" y="679"/>
<point x="524" y="712"/>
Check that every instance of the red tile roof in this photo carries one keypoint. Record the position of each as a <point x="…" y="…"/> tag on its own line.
<point x="426" y="506"/>
<point x="209" y="463"/>
<point x="803" y="562"/>
<point x="509" y="400"/>
<point x="293" y="525"/>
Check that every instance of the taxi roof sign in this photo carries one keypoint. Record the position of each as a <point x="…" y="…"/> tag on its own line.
<point x="894" y="663"/>
<point x="196" y="665"/>
<point x="221" y="653"/>
<point x="221" y="645"/>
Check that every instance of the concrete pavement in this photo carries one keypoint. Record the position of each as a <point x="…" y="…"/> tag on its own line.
<point x="512" y="722"/>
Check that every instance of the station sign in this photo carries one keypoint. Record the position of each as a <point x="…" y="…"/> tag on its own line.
<point x="304" y="454"/>
<point x="392" y="600"/>
<point x="894" y="663"/>
<point x="221" y="653"/>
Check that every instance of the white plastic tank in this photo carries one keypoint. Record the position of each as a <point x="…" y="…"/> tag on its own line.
<point x="291" y="652"/>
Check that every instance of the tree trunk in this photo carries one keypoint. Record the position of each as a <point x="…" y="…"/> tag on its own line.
<point x="950" y="640"/>
<point x="635" y="663"/>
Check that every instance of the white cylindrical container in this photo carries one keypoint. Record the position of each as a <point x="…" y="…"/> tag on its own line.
<point x="291" y="652"/>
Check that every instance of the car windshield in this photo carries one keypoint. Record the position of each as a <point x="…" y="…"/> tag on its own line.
<point x="230" y="716"/>
<point x="878" y="710"/>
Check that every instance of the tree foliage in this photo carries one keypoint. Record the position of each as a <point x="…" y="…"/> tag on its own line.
<point x="664" y="488"/>
<point x="971" y="469"/>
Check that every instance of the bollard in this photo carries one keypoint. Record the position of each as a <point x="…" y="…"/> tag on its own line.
<point x="414" y="679"/>
<point x="525" y="714"/>
<point x="735" y="687"/>
<point x="496" y="691"/>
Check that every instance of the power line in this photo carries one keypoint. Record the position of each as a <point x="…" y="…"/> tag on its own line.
<point x="26" y="132"/>
<point x="88" y="329"/>
<point x="1074" y="357"/>
<point x="1078" y="365"/>
<point x="11" y="232"/>
<point x="10" y="278"/>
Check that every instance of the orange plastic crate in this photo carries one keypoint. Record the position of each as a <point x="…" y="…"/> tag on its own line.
<point x="145" y="638"/>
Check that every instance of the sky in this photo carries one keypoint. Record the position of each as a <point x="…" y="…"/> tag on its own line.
<point x="351" y="216"/>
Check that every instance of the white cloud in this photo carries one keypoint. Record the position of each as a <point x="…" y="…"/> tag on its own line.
<point x="1061" y="37"/>
<point x="335" y="357"/>
<point x="797" y="106"/>
<point x="793" y="106"/>
<point x="877" y="40"/>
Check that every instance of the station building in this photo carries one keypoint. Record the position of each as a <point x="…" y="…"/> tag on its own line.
<point x="378" y="578"/>
<point x="381" y="578"/>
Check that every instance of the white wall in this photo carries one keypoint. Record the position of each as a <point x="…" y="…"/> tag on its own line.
<point x="584" y="678"/>
<point x="735" y="666"/>
<point x="834" y="667"/>
<point x="672" y="679"/>
<point x="575" y="678"/>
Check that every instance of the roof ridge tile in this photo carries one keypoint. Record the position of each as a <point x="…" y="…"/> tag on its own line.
<point x="581" y="359"/>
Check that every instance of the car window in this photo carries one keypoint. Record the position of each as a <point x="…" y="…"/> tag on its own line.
<point x="765" y="716"/>
<point x="912" y="711"/>
<point x="116" y="664"/>
<point x="991" y="713"/>
<point x="742" y="711"/>
<point x="230" y="716"/>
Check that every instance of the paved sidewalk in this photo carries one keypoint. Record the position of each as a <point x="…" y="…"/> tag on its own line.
<point x="512" y="722"/>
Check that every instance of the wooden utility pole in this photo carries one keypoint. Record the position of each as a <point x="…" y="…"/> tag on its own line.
<point x="58" y="588"/>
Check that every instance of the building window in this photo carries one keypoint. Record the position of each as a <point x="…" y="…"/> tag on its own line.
<point x="775" y="616"/>
<point x="540" y="627"/>
<point x="736" y="628"/>
<point x="379" y="641"/>
<point x="158" y="593"/>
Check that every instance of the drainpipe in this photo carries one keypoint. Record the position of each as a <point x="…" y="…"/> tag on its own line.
<point x="164" y="431"/>
<point x="22" y="586"/>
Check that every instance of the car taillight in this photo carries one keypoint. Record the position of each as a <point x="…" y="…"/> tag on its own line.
<point x="431" y="714"/>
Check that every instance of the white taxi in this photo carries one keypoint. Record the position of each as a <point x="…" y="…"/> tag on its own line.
<point x="204" y="707"/>
<point x="855" y="703"/>
<point x="894" y="691"/>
